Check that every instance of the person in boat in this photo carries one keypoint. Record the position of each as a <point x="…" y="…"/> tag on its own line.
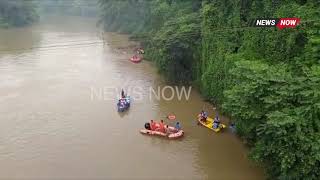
<point x="141" y="51"/>
<point x="232" y="127"/>
<point x="161" y="126"/>
<point x="125" y="101"/>
<point x="147" y="126"/>
<point x="167" y="130"/>
<point x="153" y="125"/>
<point x="203" y="116"/>
<point x="177" y="126"/>
<point x="216" y="122"/>
<point x="122" y="94"/>
<point x="120" y="103"/>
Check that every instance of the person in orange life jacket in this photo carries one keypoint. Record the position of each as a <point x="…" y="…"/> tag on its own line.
<point x="161" y="128"/>
<point x="167" y="130"/>
<point x="153" y="125"/>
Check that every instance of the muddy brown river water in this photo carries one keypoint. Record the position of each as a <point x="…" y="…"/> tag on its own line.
<point x="58" y="117"/>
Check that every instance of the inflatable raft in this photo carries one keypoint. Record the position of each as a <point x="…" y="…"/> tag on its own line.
<point x="135" y="59"/>
<point x="209" y="124"/>
<point x="173" y="135"/>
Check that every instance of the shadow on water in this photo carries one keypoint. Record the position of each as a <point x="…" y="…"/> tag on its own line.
<point x="123" y="114"/>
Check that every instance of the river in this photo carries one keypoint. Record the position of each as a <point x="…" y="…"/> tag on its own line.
<point x="58" y="117"/>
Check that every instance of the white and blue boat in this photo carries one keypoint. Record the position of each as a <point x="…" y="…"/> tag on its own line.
<point x="123" y="104"/>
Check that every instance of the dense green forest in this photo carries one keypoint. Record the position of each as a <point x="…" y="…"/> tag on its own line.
<point x="169" y="29"/>
<point x="267" y="80"/>
<point x="17" y="13"/>
<point x="68" y="7"/>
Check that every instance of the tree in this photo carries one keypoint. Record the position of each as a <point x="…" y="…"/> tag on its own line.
<point x="17" y="13"/>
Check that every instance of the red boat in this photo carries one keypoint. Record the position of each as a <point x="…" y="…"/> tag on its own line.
<point x="135" y="59"/>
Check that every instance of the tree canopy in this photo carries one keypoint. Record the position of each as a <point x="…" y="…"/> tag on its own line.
<point x="68" y="7"/>
<point x="17" y="13"/>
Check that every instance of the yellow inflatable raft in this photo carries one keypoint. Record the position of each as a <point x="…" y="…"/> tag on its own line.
<point x="209" y="124"/>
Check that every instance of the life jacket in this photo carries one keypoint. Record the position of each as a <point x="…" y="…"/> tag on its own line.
<point x="153" y="126"/>
<point x="162" y="129"/>
<point x="215" y="125"/>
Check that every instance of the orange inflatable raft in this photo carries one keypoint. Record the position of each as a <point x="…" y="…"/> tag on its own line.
<point x="173" y="135"/>
<point x="135" y="59"/>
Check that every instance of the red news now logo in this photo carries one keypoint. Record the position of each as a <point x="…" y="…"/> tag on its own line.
<point x="277" y="22"/>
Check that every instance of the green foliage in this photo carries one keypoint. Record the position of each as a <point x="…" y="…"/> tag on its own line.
<point x="279" y="113"/>
<point x="124" y="16"/>
<point x="177" y="43"/>
<point x="274" y="92"/>
<point x="17" y="13"/>
<point x="218" y="46"/>
<point x="3" y="23"/>
<point x="69" y="7"/>
<point x="169" y="30"/>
